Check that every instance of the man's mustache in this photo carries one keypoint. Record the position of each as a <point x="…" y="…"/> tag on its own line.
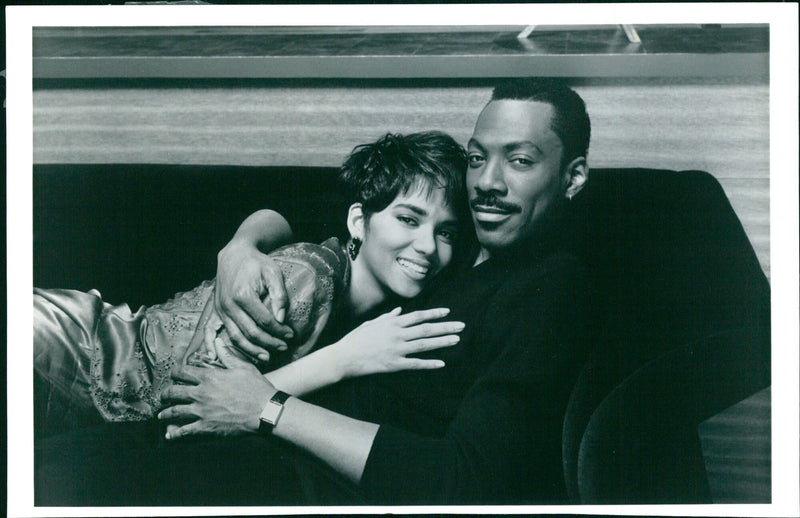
<point x="489" y="200"/>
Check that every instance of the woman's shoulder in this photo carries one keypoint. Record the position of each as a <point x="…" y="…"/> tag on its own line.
<point x="326" y="258"/>
<point x="314" y="275"/>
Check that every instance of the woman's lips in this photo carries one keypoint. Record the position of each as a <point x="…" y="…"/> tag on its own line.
<point x="413" y="269"/>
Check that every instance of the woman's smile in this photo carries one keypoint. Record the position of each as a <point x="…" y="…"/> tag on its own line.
<point x="415" y="269"/>
<point x="404" y="245"/>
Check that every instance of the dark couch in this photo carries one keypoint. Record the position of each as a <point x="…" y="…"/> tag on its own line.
<point x="686" y="305"/>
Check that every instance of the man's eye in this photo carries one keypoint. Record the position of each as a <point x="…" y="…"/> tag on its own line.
<point x="475" y="159"/>
<point x="522" y="161"/>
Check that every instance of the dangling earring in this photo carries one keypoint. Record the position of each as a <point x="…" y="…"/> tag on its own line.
<point x="353" y="247"/>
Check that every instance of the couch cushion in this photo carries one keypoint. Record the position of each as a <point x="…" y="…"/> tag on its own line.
<point x="672" y="265"/>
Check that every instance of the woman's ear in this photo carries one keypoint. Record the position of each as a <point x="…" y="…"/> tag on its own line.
<point x="576" y="175"/>
<point x="355" y="220"/>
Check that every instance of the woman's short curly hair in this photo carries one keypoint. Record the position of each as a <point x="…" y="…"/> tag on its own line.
<point x="375" y="174"/>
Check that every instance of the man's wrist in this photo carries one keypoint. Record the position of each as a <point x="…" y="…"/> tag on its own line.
<point x="272" y="412"/>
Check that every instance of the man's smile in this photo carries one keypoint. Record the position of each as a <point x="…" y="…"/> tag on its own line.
<point x="491" y="210"/>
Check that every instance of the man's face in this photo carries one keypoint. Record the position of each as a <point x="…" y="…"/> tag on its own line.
<point x="514" y="173"/>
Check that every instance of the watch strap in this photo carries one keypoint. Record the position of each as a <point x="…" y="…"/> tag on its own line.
<point x="272" y="412"/>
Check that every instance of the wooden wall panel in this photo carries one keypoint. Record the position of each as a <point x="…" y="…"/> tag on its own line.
<point x="721" y="126"/>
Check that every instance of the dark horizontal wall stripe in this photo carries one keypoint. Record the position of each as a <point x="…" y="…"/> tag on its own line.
<point x="713" y="125"/>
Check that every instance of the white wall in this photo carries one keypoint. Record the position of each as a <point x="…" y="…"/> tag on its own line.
<point x="721" y="126"/>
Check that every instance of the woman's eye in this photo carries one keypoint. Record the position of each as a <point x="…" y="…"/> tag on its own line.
<point x="407" y="220"/>
<point x="447" y="235"/>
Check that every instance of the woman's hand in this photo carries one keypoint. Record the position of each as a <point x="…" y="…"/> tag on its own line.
<point x="245" y="276"/>
<point x="220" y="401"/>
<point x="383" y="344"/>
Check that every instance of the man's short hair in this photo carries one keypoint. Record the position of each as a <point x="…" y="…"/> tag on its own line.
<point x="570" y="122"/>
<point x="375" y="174"/>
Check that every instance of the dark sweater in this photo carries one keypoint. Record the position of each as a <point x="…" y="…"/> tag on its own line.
<point x="487" y="427"/>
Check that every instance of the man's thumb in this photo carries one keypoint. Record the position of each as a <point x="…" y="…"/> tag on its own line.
<point x="226" y="355"/>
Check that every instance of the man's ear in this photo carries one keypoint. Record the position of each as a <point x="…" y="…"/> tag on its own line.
<point x="576" y="175"/>
<point x="355" y="220"/>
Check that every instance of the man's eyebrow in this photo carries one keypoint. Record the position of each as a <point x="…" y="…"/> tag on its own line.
<point x="511" y="146"/>
<point x="474" y="142"/>
<point x="521" y="143"/>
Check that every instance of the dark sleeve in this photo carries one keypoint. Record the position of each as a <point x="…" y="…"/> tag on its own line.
<point x="504" y="445"/>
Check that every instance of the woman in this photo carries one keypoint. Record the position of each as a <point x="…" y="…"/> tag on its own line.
<point x="104" y="363"/>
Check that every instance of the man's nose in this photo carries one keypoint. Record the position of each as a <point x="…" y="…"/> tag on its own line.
<point x="491" y="179"/>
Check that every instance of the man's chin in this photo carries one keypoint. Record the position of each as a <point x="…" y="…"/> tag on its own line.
<point x="494" y="239"/>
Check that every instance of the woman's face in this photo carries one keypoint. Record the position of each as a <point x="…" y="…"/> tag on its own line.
<point x="408" y="242"/>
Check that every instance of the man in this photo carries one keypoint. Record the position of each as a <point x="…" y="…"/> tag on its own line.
<point x="484" y="429"/>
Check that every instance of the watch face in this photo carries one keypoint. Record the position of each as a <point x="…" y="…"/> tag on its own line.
<point x="271" y="412"/>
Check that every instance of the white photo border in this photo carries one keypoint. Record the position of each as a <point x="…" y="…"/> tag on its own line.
<point x="782" y="19"/>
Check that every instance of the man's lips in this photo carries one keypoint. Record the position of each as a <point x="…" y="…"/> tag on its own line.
<point x="493" y="211"/>
<point x="492" y="204"/>
<point x="490" y="209"/>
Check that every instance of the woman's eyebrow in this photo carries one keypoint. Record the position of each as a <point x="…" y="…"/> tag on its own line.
<point x="452" y="224"/>
<point x="413" y="208"/>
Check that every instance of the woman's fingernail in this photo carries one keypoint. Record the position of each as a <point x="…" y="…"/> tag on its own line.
<point x="264" y="357"/>
<point x="280" y="315"/>
<point x="459" y="326"/>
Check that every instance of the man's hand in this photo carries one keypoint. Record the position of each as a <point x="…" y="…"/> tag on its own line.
<point x="245" y="277"/>
<point x="219" y="401"/>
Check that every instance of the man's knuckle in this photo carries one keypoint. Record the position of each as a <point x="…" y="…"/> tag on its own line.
<point x="240" y="294"/>
<point x="235" y="335"/>
<point x="248" y="328"/>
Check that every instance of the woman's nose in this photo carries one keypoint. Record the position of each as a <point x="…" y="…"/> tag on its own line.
<point x="425" y="242"/>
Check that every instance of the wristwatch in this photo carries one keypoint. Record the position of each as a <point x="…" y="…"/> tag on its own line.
<point x="272" y="412"/>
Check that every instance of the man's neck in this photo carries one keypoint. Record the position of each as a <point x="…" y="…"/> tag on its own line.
<point x="483" y="255"/>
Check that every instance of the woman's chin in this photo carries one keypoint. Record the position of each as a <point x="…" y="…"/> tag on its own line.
<point x="408" y="290"/>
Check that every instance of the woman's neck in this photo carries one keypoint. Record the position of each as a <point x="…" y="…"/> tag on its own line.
<point x="364" y="295"/>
